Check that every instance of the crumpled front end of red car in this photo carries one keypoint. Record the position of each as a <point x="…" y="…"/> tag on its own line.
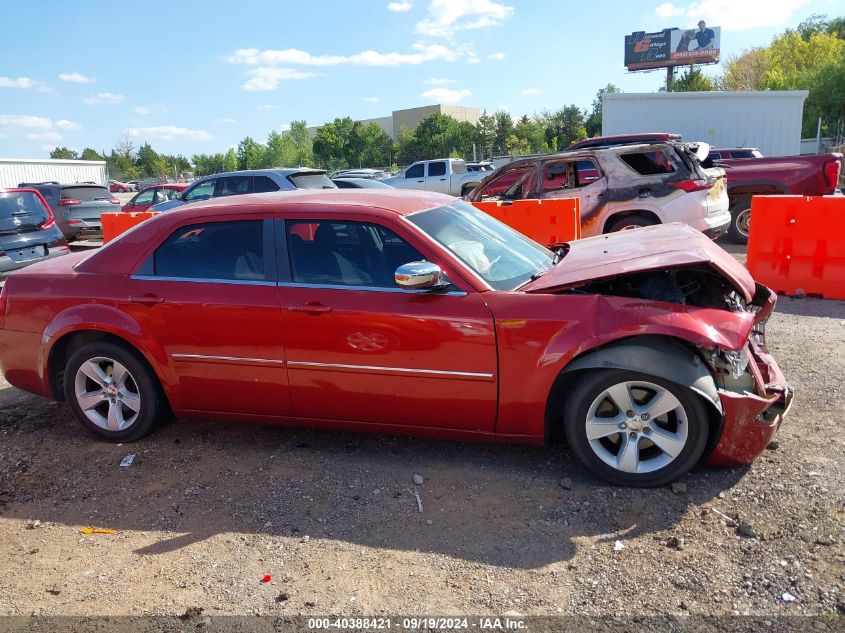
<point x="753" y="392"/>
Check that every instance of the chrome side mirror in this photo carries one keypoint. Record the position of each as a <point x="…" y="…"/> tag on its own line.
<point x="419" y="276"/>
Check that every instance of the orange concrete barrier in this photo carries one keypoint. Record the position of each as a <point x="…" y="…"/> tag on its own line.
<point x="116" y="223"/>
<point x="545" y="221"/>
<point x="796" y="244"/>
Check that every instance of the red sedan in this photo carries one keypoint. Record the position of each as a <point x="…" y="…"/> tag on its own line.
<point x="143" y="200"/>
<point x="406" y="312"/>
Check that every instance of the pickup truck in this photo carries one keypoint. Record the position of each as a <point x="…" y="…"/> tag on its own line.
<point x="444" y="175"/>
<point x="810" y="175"/>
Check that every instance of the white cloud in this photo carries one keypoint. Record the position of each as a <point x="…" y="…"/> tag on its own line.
<point x="445" y="17"/>
<point x="25" y="120"/>
<point x="108" y="98"/>
<point x="497" y="56"/>
<point x="266" y="78"/>
<point x="169" y="133"/>
<point x="265" y="106"/>
<point x="531" y="91"/>
<point x="224" y="120"/>
<point x="149" y="109"/>
<point x="668" y="10"/>
<point x="423" y="53"/>
<point x="733" y="16"/>
<point x="55" y="137"/>
<point x="436" y="81"/>
<point x="20" y="82"/>
<point x="446" y="95"/>
<point x="399" y="7"/>
<point x="77" y="78"/>
<point x="370" y="99"/>
<point x="64" y="124"/>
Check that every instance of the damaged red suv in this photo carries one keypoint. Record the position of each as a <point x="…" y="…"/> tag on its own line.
<point x="406" y="312"/>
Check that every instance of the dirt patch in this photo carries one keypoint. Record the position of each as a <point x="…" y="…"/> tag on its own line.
<point x="206" y="511"/>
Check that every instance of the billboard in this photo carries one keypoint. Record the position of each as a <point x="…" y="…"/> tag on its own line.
<point x="672" y="47"/>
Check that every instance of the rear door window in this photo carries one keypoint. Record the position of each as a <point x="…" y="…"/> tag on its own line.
<point x="233" y="186"/>
<point x="437" y="168"/>
<point x="215" y="251"/>
<point x="652" y="163"/>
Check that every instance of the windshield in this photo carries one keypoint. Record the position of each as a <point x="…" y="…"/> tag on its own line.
<point x="502" y="257"/>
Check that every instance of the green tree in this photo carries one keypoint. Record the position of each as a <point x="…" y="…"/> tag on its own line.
<point x="692" y="80"/>
<point x="250" y="154"/>
<point x="302" y="143"/>
<point x="230" y="160"/>
<point x="747" y="70"/>
<point x="90" y="154"/>
<point x="564" y="127"/>
<point x="503" y="130"/>
<point x="485" y="135"/>
<point x="531" y="134"/>
<point x="64" y="153"/>
<point x="280" y="151"/>
<point x="329" y="145"/>
<point x="593" y="122"/>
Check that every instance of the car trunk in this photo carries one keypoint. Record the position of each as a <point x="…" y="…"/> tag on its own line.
<point x="92" y="202"/>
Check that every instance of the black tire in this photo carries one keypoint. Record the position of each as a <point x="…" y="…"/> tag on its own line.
<point x="152" y="406"/>
<point x="591" y="386"/>
<point x="628" y="222"/>
<point x="740" y="221"/>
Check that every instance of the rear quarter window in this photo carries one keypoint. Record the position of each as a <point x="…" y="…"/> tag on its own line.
<point x="649" y="163"/>
<point x="311" y="181"/>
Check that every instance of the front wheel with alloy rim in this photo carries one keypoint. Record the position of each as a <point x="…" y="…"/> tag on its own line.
<point x="112" y="392"/>
<point x="634" y="429"/>
<point x="740" y="222"/>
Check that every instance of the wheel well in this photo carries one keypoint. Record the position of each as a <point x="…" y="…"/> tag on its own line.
<point x="626" y="214"/>
<point x="567" y="380"/>
<point x="64" y="348"/>
<point x="467" y="188"/>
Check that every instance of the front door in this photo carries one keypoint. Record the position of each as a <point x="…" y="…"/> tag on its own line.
<point x="207" y="296"/>
<point x="361" y="349"/>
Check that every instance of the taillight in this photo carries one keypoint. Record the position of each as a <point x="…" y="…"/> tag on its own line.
<point x="831" y="173"/>
<point x="69" y="202"/>
<point x="3" y="306"/>
<point x="49" y="224"/>
<point x="692" y="185"/>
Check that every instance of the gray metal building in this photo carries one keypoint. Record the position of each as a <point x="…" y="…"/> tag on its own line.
<point x="768" y="120"/>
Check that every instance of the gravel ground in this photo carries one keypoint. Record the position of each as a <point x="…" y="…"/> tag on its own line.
<point x="206" y="511"/>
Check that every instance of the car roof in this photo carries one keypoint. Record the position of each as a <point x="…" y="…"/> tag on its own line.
<point x="281" y="171"/>
<point x="625" y="139"/>
<point x="398" y="201"/>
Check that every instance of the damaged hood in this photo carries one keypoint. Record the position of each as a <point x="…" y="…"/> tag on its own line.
<point x="640" y="250"/>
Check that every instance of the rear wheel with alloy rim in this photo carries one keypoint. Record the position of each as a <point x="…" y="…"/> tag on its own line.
<point x="740" y="222"/>
<point x="634" y="429"/>
<point x="112" y="392"/>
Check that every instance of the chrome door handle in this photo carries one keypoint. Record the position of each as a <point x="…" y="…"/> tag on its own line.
<point x="311" y="308"/>
<point x="146" y="300"/>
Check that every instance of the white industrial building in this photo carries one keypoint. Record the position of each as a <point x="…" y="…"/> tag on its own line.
<point x="767" y="120"/>
<point x="14" y="171"/>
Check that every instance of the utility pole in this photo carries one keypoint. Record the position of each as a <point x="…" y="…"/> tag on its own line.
<point x="670" y="76"/>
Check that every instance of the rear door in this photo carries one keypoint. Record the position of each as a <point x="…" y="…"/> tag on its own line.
<point x="574" y="178"/>
<point x="437" y="177"/>
<point x="207" y="296"/>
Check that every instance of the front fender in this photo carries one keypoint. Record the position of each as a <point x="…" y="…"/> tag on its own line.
<point x="660" y="356"/>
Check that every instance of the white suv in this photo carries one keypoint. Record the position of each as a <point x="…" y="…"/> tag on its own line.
<point x="621" y="187"/>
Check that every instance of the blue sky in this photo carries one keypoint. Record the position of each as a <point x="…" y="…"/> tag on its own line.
<point x="195" y="77"/>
